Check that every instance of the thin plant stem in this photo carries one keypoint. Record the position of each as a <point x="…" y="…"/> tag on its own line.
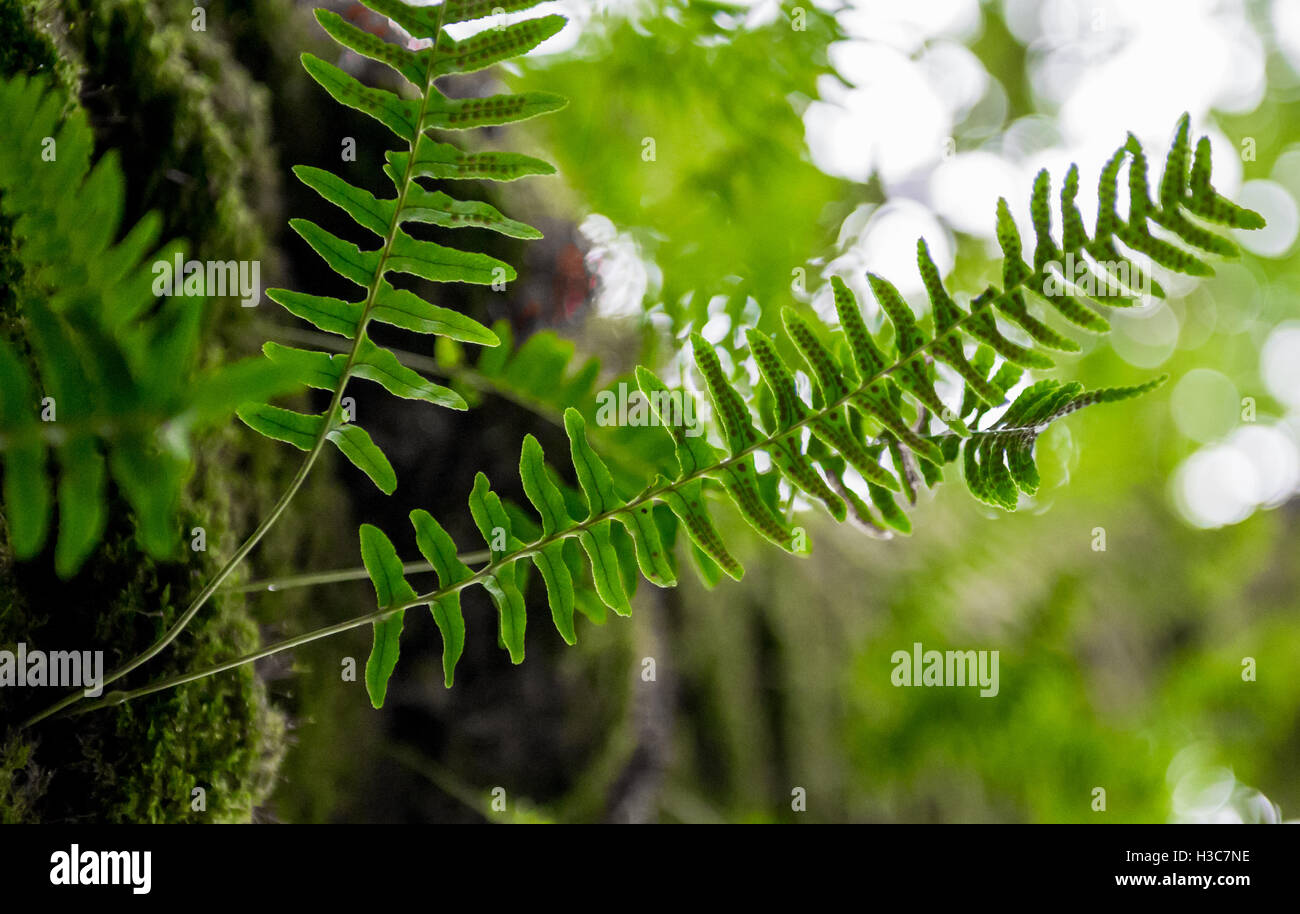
<point x="441" y="778"/>
<point x="312" y="579"/>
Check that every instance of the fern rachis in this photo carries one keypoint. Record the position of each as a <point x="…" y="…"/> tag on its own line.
<point x="399" y="252"/>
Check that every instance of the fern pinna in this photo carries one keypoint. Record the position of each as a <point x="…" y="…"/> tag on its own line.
<point x="423" y="157"/>
<point x="111" y="384"/>
<point x="870" y="395"/>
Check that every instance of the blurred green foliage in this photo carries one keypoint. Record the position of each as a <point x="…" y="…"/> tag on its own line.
<point x="684" y="128"/>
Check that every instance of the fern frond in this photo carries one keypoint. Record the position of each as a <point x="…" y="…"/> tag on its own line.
<point x="590" y="523"/>
<point x="411" y="119"/>
<point x="593" y="521"/>
<point x="109" y="388"/>
<point x="871" y="395"/>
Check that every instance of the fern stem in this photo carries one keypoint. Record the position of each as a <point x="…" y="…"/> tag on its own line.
<point x="339" y="628"/>
<point x="441" y="778"/>
<point x="338" y="576"/>
<point x="491" y="568"/>
<point x="201" y="599"/>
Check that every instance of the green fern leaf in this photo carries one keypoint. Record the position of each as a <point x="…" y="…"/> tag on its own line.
<point x="427" y="21"/>
<point x="440" y="552"/>
<point x="446" y="162"/>
<point x="494" y="525"/>
<point x="282" y="424"/>
<point x="492" y="46"/>
<point x="332" y="315"/>
<point x="549" y="502"/>
<point x="374" y="363"/>
<point x="385" y="570"/>
<point x="407" y="310"/>
<point x="354" y="443"/>
<point x="410" y="119"/>
<point x="397" y="114"/>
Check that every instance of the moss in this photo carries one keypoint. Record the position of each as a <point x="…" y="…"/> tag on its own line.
<point x="21" y="784"/>
<point x="191" y="119"/>
<point x="26" y="45"/>
<point x="192" y="126"/>
<point x="140" y="763"/>
<point x="190" y="123"/>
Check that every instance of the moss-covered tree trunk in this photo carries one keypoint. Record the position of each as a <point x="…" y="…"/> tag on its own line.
<point x="192" y="125"/>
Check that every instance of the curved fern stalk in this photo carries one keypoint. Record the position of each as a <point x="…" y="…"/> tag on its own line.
<point x="116" y="391"/>
<point x="870" y="396"/>
<point x="399" y="252"/>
